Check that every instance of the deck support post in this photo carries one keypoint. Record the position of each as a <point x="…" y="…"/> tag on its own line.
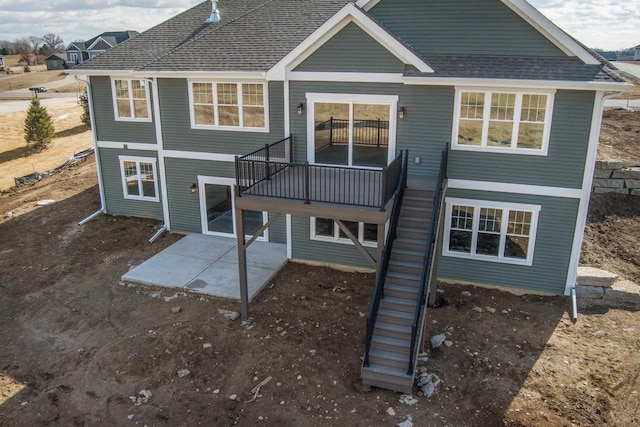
<point x="242" y="265"/>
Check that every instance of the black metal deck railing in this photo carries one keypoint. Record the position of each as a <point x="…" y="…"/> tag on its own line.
<point x="269" y="172"/>
<point x="383" y="264"/>
<point x="364" y="132"/>
<point x="427" y="265"/>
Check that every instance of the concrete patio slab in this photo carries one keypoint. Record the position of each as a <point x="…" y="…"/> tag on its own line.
<point x="209" y="265"/>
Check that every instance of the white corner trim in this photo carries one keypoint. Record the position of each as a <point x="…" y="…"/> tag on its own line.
<point x="358" y="77"/>
<point x="503" y="187"/>
<point x="349" y="13"/>
<point x="127" y="145"/>
<point x="550" y="30"/>
<point x="160" y="144"/>
<point x="587" y="180"/>
<point x="289" y="237"/>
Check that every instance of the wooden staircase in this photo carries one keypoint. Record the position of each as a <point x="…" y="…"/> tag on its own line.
<point x="389" y="355"/>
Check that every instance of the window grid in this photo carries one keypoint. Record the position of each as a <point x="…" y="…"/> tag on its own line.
<point x="502" y="234"/>
<point x="228" y="105"/>
<point x="325" y="229"/>
<point x="131" y="99"/>
<point x="139" y="179"/>
<point x="514" y="121"/>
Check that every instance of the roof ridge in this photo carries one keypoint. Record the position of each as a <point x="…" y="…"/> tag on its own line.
<point x="204" y="33"/>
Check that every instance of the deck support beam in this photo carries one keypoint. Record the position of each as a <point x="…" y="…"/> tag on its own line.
<point x="242" y="265"/>
<point x="356" y="242"/>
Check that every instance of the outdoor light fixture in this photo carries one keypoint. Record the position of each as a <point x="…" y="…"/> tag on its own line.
<point x="300" y="109"/>
<point x="215" y="14"/>
<point x="194" y="188"/>
<point x="401" y="113"/>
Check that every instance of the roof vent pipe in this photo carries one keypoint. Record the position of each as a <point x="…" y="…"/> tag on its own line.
<point x="215" y="15"/>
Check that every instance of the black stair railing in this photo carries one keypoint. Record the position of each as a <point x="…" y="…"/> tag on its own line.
<point x="427" y="262"/>
<point x="383" y="265"/>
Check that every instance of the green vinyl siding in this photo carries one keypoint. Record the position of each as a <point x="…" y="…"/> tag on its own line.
<point x="552" y="252"/>
<point x="352" y="50"/>
<point x="470" y="27"/>
<point x="184" y="206"/>
<point x="278" y="230"/>
<point x="425" y="130"/>
<point x="178" y="135"/>
<point x="562" y="167"/>
<point x="333" y="253"/>
<point x="115" y="202"/>
<point x="107" y="128"/>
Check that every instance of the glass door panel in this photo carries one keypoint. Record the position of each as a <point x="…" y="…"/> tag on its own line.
<point x="370" y="135"/>
<point x="331" y="134"/>
<point x="219" y="208"/>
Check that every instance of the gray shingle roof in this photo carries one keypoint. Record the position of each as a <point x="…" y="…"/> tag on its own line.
<point x="253" y="35"/>
<point x="522" y="68"/>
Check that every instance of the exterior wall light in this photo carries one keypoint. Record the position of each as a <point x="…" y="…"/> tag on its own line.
<point x="194" y="188"/>
<point x="401" y="112"/>
<point x="300" y="109"/>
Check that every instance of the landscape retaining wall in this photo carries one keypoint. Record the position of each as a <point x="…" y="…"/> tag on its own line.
<point x="610" y="176"/>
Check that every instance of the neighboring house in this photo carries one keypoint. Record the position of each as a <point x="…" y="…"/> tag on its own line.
<point x="636" y="53"/>
<point x="55" y="62"/>
<point x="79" y="51"/>
<point x="346" y="86"/>
<point x="1" y="63"/>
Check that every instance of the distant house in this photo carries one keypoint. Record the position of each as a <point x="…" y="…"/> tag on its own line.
<point x="1" y="63"/>
<point x="609" y="55"/>
<point x="79" y="51"/>
<point x="55" y="62"/>
<point x="636" y="53"/>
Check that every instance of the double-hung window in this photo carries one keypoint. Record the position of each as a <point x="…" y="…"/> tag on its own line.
<point x="230" y="106"/>
<point x="328" y="230"/>
<point x="130" y="100"/>
<point x="490" y="231"/>
<point x="139" y="178"/>
<point x="503" y="121"/>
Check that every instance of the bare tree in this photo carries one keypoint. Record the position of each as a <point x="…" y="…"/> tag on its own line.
<point x="23" y="48"/>
<point x="52" y="43"/>
<point x="35" y="43"/>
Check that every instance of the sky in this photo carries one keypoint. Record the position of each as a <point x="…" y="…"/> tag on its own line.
<point x="605" y="24"/>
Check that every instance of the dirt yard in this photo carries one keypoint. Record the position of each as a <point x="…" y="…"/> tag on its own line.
<point x="76" y="344"/>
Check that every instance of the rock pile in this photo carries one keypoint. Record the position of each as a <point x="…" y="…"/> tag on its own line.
<point x="610" y="176"/>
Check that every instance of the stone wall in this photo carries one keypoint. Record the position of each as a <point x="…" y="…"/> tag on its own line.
<point x="610" y="176"/>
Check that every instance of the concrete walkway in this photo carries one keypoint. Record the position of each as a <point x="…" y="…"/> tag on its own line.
<point x="209" y="265"/>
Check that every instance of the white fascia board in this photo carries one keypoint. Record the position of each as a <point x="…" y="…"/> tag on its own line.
<point x="550" y="30"/>
<point x="101" y="73"/>
<point x="214" y="75"/>
<point x="504" y="83"/>
<point x="367" y="4"/>
<point x="349" y="13"/>
<point x="96" y="41"/>
<point x="345" y="77"/>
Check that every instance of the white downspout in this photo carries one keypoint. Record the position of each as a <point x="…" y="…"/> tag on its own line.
<point x="92" y="119"/>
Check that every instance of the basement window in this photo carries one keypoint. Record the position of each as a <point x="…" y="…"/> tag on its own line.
<point x="139" y="178"/>
<point x="490" y="231"/>
<point x="327" y="230"/>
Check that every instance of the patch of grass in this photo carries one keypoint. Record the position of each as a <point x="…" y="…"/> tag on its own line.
<point x="27" y="80"/>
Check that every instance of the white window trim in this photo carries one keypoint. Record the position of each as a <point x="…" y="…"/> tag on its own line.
<point x="542" y="151"/>
<point x="506" y="207"/>
<point x="230" y="182"/>
<point x="73" y="57"/>
<point x="116" y="112"/>
<point x="336" y="235"/>
<point x="346" y="98"/>
<point x="138" y="160"/>
<point x="214" y="87"/>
